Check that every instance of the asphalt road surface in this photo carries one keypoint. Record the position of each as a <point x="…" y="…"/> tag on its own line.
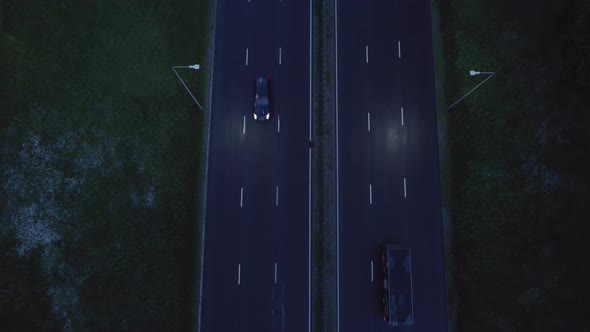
<point x="257" y="246"/>
<point x="388" y="167"/>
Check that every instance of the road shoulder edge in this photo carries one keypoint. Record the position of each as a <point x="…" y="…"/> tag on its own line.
<point x="444" y="156"/>
<point x="201" y="218"/>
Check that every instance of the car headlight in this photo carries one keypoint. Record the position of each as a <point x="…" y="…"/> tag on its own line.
<point x="267" y="116"/>
<point x="255" y="117"/>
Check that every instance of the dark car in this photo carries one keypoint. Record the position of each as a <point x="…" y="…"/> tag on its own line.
<point x="261" y="104"/>
<point x="398" y="303"/>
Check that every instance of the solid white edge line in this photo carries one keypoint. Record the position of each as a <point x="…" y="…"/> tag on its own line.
<point x="368" y="121"/>
<point x="241" y="196"/>
<point x="239" y="273"/>
<point x="244" y="126"/>
<point x="405" y="187"/>
<point x="275" y="272"/>
<point x="337" y="173"/>
<point x="402" y="112"/>
<point x="204" y="225"/>
<point x="280" y="55"/>
<point x="371" y="194"/>
<point x="411" y="282"/>
<point x="246" y="56"/>
<point x="371" y="271"/>
<point x="366" y="53"/>
<point x="278" y="123"/>
<point x="399" y="49"/>
<point x="277" y="196"/>
<point x="309" y="183"/>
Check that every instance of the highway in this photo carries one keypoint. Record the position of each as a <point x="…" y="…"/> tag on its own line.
<point x="387" y="160"/>
<point x="256" y="270"/>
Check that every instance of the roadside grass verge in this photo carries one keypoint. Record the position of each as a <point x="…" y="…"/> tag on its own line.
<point x="516" y="180"/>
<point x="102" y="149"/>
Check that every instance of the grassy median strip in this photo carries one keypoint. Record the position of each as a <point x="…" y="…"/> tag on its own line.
<point x="101" y="155"/>
<point x="323" y="177"/>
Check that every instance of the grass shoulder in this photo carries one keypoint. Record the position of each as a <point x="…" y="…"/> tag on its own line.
<point x="101" y="147"/>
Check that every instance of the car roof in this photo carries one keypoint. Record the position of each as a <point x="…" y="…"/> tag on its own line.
<point x="261" y="85"/>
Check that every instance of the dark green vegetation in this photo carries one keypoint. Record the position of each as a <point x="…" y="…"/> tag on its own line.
<point x="323" y="172"/>
<point x="519" y="149"/>
<point x="100" y="157"/>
